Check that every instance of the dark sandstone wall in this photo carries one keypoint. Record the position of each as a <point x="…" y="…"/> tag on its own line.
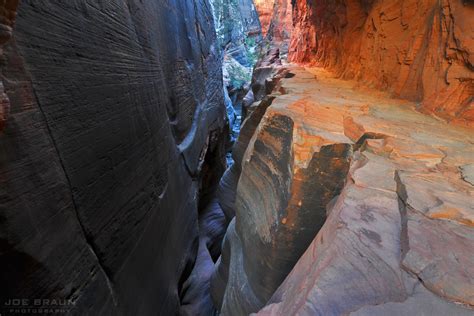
<point x="111" y="109"/>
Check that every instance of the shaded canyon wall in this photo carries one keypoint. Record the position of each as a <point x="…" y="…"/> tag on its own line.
<point x="112" y="127"/>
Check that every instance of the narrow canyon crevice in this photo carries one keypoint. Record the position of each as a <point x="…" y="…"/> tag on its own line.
<point x="236" y="157"/>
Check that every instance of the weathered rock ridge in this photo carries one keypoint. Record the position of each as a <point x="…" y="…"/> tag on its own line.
<point x="420" y="50"/>
<point x="359" y="198"/>
<point x="399" y="235"/>
<point x="112" y="129"/>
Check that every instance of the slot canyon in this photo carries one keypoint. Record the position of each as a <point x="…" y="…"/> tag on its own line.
<point x="237" y="157"/>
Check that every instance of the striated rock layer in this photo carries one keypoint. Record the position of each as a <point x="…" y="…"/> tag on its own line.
<point x="348" y="202"/>
<point x="418" y="50"/>
<point x="111" y="130"/>
<point x="265" y="79"/>
<point x="398" y="237"/>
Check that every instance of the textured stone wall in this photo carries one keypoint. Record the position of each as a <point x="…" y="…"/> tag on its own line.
<point x="109" y="112"/>
<point x="276" y="19"/>
<point x="281" y="25"/>
<point x="420" y="50"/>
<point x="7" y="19"/>
<point x="265" y="13"/>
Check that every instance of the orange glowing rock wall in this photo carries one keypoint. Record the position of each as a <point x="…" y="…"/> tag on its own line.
<point x="420" y="50"/>
<point x="265" y="13"/>
<point x="281" y="25"/>
<point x="275" y="19"/>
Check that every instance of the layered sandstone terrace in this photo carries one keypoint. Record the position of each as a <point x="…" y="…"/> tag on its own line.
<point x="393" y="187"/>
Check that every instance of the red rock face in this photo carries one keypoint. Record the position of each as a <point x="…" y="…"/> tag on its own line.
<point x="418" y="50"/>
<point x="265" y="13"/>
<point x="276" y="19"/>
<point x="281" y="24"/>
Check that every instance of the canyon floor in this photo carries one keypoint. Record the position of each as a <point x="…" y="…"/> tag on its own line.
<point x="399" y="233"/>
